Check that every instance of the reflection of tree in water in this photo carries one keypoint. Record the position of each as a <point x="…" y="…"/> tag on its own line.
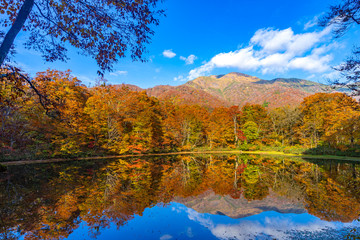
<point x="284" y="180"/>
<point x="335" y="194"/>
<point x="23" y="193"/>
<point x="50" y="201"/>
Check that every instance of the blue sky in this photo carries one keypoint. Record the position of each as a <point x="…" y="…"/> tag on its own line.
<point x="267" y="39"/>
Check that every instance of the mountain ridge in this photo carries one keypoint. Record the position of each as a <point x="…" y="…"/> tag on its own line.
<point x="209" y="202"/>
<point x="237" y="89"/>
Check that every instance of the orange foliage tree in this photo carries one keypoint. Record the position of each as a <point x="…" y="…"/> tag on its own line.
<point x="123" y="120"/>
<point x="222" y="127"/>
<point x="332" y="117"/>
<point x="62" y="122"/>
<point x="104" y="30"/>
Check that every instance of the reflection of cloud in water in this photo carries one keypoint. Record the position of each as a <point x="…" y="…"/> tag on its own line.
<point x="189" y="232"/>
<point x="166" y="237"/>
<point x="276" y="227"/>
<point x="198" y="217"/>
<point x="177" y="209"/>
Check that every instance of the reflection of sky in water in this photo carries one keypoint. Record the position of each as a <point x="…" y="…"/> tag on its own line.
<point x="176" y="221"/>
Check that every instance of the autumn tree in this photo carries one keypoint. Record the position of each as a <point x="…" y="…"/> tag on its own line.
<point x="235" y="115"/>
<point x="257" y="114"/>
<point x="123" y="121"/>
<point x="222" y="127"/>
<point x="331" y="117"/>
<point x="185" y="125"/>
<point x="63" y="121"/>
<point x="148" y="130"/>
<point x="172" y="124"/>
<point x="27" y="116"/>
<point x="250" y="130"/>
<point x="104" y="30"/>
<point x="314" y="109"/>
<point x="284" y="122"/>
<point x="344" y="122"/>
<point x="12" y="96"/>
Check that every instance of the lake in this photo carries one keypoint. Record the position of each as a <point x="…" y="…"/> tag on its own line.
<point x="182" y="197"/>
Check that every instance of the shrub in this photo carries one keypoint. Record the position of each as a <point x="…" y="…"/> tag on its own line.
<point x="249" y="147"/>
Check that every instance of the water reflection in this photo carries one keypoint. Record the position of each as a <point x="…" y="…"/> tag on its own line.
<point x="219" y="197"/>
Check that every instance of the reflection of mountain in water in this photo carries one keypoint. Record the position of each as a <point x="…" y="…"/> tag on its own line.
<point x="209" y="202"/>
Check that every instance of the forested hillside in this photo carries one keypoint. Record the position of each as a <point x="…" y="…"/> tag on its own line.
<point x="237" y="89"/>
<point x="71" y="119"/>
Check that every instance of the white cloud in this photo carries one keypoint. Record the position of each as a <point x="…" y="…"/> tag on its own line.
<point x="313" y="22"/>
<point x="272" y="40"/>
<point x="276" y="62"/>
<point x="332" y="76"/>
<point x="179" y="78"/>
<point x="189" y="60"/>
<point x="200" y="71"/>
<point x="276" y="51"/>
<point x="151" y="58"/>
<point x="311" y="63"/>
<point x="312" y="76"/>
<point x="242" y="59"/>
<point x="275" y="41"/>
<point x="169" y="53"/>
<point x="24" y="67"/>
<point x="118" y="73"/>
<point x="166" y="237"/>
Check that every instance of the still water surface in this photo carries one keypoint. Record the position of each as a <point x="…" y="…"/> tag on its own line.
<point x="182" y="197"/>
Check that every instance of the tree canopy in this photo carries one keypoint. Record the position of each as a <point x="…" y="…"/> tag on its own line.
<point x="66" y="118"/>
<point x="105" y="29"/>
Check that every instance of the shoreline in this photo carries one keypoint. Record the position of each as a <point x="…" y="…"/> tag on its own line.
<point x="54" y="160"/>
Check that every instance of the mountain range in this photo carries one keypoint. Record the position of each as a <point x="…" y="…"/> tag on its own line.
<point x="209" y="202"/>
<point x="237" y="89"/>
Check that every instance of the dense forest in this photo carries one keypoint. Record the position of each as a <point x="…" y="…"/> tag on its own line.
<point x="63" y="117"/>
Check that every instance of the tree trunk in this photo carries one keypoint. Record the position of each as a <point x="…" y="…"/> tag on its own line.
<point x="15" y="29"/>
<point x="235" y="130"/>
<point x="235" y="174"/>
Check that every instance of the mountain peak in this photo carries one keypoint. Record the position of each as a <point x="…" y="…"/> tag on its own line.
<point x="239" y="89"/>
<point x="239" y="77"/>
<point x="237" y="74"/>
<point x="230" y="75"/>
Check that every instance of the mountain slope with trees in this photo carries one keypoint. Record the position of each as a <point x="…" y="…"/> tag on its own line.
<point x="237" y="89"/>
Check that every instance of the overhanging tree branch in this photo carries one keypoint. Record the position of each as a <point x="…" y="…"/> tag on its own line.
<point x="15" y="29"/>
<point x="103" y="29"/>
<point x="342" y="17"/>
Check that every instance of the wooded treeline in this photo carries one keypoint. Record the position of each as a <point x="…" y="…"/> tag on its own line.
<point x="68" y="118"/>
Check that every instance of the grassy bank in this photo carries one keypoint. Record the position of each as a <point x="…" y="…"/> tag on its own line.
<point x="197" y="151"/>
<point x="297" y="150"/>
